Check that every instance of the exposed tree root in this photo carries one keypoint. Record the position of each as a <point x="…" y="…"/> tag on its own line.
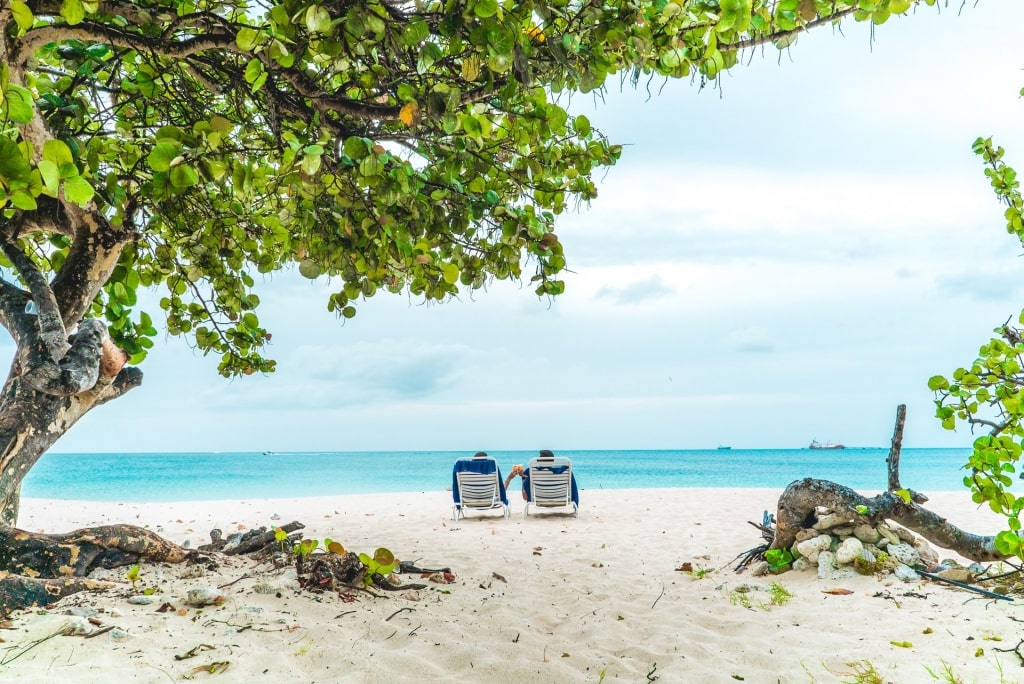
<point x="18" y="592"/>
<point x="38" y="569"/>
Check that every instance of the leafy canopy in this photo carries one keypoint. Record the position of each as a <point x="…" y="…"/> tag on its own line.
<point x="406" y="146"/>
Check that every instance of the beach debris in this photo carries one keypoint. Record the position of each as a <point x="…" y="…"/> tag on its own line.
<point x="212" y="668"/>
<point x="838" y="591"/>
<point x="204" y="596"/>
<point x="499" y="577"/>
<point x="141" y="599"/>
<point x="253" y="540"/>
<point x="405" y="567"/>
<point x="963" y="585"/>
<point x="194" y="651"/>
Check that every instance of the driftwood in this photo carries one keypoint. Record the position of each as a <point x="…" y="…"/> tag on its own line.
<point x="39" y="569"/>
<point x="799" y="500"/>
<point x="253" y="540"/>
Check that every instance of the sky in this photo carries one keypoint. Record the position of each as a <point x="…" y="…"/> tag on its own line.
<point x="786" y="255"/>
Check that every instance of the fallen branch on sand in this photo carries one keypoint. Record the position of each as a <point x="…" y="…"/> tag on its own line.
<point x="810" y="508"/>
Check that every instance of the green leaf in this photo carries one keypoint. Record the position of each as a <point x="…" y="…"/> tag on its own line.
<point x="318" y="19"/>
<point x="58" y="152"/>
<point x="309" y="269"/>
<point x="78" y="190"/>
<point x="161" y="156"/>
<point x="937" y="382"/>
<point x="23" y="200"/>
<point x="50" y="175"/>
<point x="903" y="494"/>
<point x="246" y="39"/>
<point x="18" y="104"/>
<point x="485" y="8"/>
<point x="253" y="70"/>
<point x="582" y="126"/>
<point x="13" y="165"/>
<point x="450" y="273"/>
<point x="22" y="15"/>
<point x="184" y="176"/>
<point x="73" y="11"/>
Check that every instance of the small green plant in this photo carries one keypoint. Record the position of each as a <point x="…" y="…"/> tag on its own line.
<point x="779" y="560"/>
<point x="866" y="567"/>
<point x="133" y="575"/>
<point x="863" y="672"/>
<point x="281" y="537"/>
<point x="306" y="547"/>
<point x="700" y="572"/>
<point x="779" y="594"/>
<point x="945" y="674"/>
<point x="740" y="598"/>
<point x="382" y="563"/>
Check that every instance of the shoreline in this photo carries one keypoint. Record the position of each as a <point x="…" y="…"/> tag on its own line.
<point x="546" y="598"/>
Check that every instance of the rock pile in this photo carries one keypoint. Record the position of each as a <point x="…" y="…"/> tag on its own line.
<point x="841" y="544"/>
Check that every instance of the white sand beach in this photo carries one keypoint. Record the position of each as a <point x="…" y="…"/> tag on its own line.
<point x="549" y="598"/>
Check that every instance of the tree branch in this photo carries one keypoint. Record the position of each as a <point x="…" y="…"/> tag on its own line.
<point x="52" y="333"/>
<point x="773" y="37"/>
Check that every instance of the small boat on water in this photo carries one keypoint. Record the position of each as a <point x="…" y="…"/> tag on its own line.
<point x="815" y="444"/>
<point x="722" y="447"/>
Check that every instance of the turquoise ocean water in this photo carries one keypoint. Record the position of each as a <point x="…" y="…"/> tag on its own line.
<point x="203" y="476"/>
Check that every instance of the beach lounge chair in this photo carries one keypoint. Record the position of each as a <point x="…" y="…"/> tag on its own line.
<point x="477" y="485"/>
<point x="549" y="483"/>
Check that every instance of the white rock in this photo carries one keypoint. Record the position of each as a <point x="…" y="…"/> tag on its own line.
<point x="77" y="626"/>
<point x="850" y="548"/>
<point x="905" y="573"/>
<point x="141" y="599"/>
<point x="830" y="520"/>
<point x="759" y="569"/>
<point x="888" y="535"/>
<point x="904" y="553"/>
<point x="802" y="564"/>
<point x="867" y="534"/>
<point x="826" y="564"/>
<point x="929" y="556"/>
<point x="810" y="548"/>
<point x="204" y="596"/>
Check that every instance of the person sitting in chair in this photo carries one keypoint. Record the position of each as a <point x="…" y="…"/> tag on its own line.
<point x="544" y="455"/>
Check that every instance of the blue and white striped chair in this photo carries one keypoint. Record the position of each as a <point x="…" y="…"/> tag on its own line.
<point x="549" y="483"/>
<point x="477" y="485"/>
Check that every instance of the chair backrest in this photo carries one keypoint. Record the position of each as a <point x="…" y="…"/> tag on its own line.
<point x="551" y="482"/>
<point x="479" y="491"/>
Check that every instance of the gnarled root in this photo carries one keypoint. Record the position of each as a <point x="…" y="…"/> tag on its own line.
<point x="18" y="592"/>
<point x="37" y="569"/>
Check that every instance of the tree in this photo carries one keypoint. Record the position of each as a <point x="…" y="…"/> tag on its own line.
<point x="411" y="145"/>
